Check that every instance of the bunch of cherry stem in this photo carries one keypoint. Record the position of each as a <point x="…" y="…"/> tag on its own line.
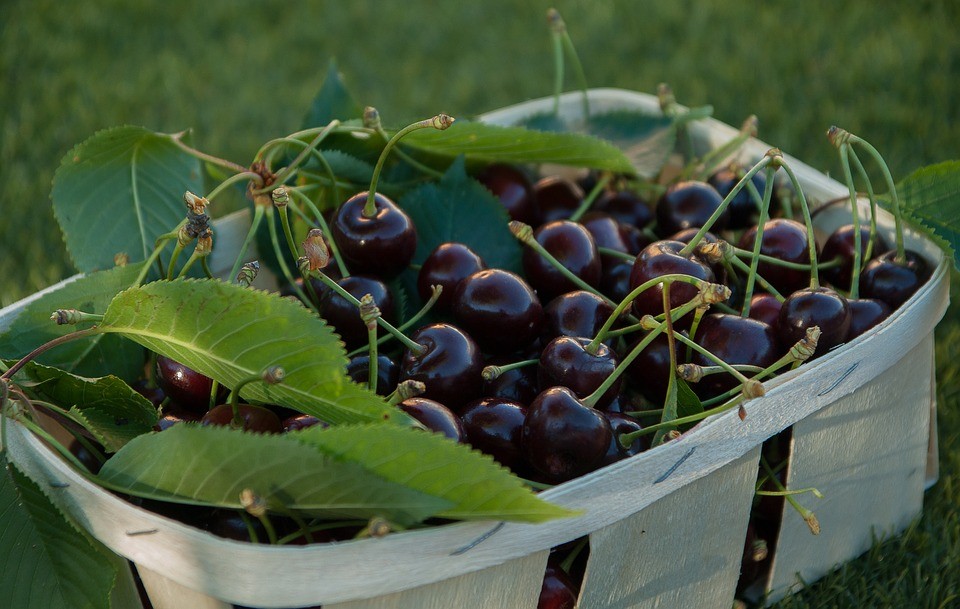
<point x="790" y="495"/>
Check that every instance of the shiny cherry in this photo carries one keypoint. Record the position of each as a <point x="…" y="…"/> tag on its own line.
<point x="447" y="266"/>
<point x="382" y="244"/>
<point x="254" y="418"/>
<point x="743" y="210"/>
<point x="623" y="424"/>
<point x="495" y="426"/>
<point x="499" y="309"/>
<point x="663" y="258"/>
<point x="649" y="373"/>
<point x="865" y="313"/>
<point x="840" y="245"/>
<point x="565" y="362"/>
<point x="435" y="417"/>
<point x="187" y="387"/>
<point x="562" y="437"/>
<point x="301" y="421"/>
<point x="627" y="207"/>
<point x="689" y="204"/>
<point x="557" y="198"/>
<point x="576" y="313"/>
<point x="893" y="282"/>
<point x="766" y="308"/>
<point x="615" y="280"/>
<point x="388" y="372"/>
<point x="735" y="340"/>
<point x="450" y="365"/>
<point x="518" y="384"/>
<point x="557" y="590"/>
<point x="785" y="240"/>
<point x="344" y="315"/>
<point x="810" y="307"/>
<point x="609" y="233"/>
<point x="514" y="190"/>
<point x="573" y="247"/>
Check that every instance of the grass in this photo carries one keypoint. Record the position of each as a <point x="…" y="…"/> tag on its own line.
<point x="239" y="73"/>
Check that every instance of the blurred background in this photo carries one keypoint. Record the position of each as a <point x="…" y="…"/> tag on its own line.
<point x="239" y="73"/>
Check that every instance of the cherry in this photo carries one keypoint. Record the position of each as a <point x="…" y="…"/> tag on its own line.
<point x="893" y="282"/>
<point x="865" y="313"/>
<point x="557" y="591"/>
<point x="495" y="426"/>
<point x="650" y="371"/>
<point x="514" y="190"/>
<point x="557" y="198"/>
<point x="319" y="290"/>
<point x="174" y="414"/>
<point x="435" y="416"/>
<point x="573" y="247"/>
<point x="664" y="258"/>
<point x="450" y="365"/>
<point x="254" y="418"/>
<point x="231" y="524"/>
<point x="576" y="313"/>
<point x="840" y="244"/>
<point x="810" y="307"/>
<point x="187" y="387"/>
<point x="626" y="206"/>
<point x="344" y="315"/>
<point x="735" y="340"/>
<point x="785" y="240"/>
<point x="615" y="280"/>
<point x="565" y="362"/>
<point x="517" y="384"/>
<point x="766" y="308"/>
<point x="689" y="204"/>
<point x="562" y="437"/>
<point x="742" y="208"/>
<point x="609" y="233"/>
<point x="623" y="424"/>
<point x="388" y="372"/>
<point x="499" y="309"/>
<point x="447" y="266"/>
<point x="301" y="421"/>
<point x="378" y="242"/>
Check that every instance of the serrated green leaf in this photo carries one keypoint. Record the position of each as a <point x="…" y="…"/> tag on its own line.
<point x="473" y="483"/>
<point x="118" y="191"/>
<point x="45" y="563"/>
<point x="231" y="333"/>
<point x="687" y="401"/>
<point x="545" y="121"/>
<point x="333" y="101"/>
<point x="492" y="143"/>
<point x="113" y="411"/>
<point x="211" y="465"/>
<point x="460" y="209"/>
<point x="930" y="200"/>
<point x="92" y="356"/>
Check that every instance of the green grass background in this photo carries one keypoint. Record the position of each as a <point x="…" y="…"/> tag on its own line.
<point x="239" y="73"/>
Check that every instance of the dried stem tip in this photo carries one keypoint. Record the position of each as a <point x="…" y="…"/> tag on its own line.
<point x="523" y="232"/>
<point x="714" y="253"/>
<point x="750" y="126"/>
<point x="195" y="203"/>
<point x="253" y="503"/>
<point x="442" y="121"/>
<point x="691" y="373"/>
<point x="280" y="196"/>
<point x="838" y="136"/>
<point x="73" y="316"/>
<point x="410" y="389"/>
<point x="753" y="389"/>
<point x="248" y="272"/>
<point x="371" y="118"/>
<point x="273" y="375"/>
<point x="316" y="250"/>
<point x="555" y="21"/>
<point x="813" y="523"/>
<point x="369" y="311"/>
<point x="803" y="350"/>
<point x="712" y="293"/>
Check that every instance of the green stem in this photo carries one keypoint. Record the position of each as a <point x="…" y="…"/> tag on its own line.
<point x="65" y="338"/>
<point x="203" y="156"/>
<point x="257" y="217"/>
<point x="238" y="177"/>
<point x="311" y="300"/>
<point x="287" y="171"/>
<point x="598" y="188"/>
<point x="855" y="215"/>
<point x="892" y="187"/>
<point x="758" y="241"/>
<point x="629" y="438"/>
<point x="434" y="296"/>
<point x="334" y="250"/>
<point x="493" y="372"/>
<point x="868" y="252"/>
<point x="808" y="221"/>
<point x="710" y="356"/>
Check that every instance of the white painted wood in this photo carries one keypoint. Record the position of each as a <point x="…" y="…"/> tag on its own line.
<point x="165" y="593"/>
<point x="933" y="446"/>
<point x="867" y="453"/>
<point x="352" y="571"/>
<point x="512" y="585"/>
<point x="682" y="551"/>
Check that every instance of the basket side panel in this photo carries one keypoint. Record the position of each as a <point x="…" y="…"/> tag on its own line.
<point x="682" y="551"/>
<point x="165" y="593"/>
<point x="867" y="454"/>
<point x="514" y="584"/>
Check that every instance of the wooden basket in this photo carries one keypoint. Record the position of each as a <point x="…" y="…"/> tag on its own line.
<point x="666" y="527"/>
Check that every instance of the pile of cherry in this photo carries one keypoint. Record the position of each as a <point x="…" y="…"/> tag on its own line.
<point x="567" y="367"/>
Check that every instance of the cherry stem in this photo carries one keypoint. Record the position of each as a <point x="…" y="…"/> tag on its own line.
<point x="414" y="347"/>
<point x="710" y="356"/>
<point x="440" y="122"/>
<point x="270" y="376"/>
<point x="371" y="119"/>
<point x="758" y="240"/>
<point x="855" y="215"/>
<point x="334" y="250"/>
<point x="629" y="438"/>
<point x="159" y="245"/>
<point x="49" y="439"/>
<point x="67" y="414"/>
<point x="742" y="266"/>
<point x="435" y="292"/>
<point x="691" y="246"/>
<point x="799" y="266"/>
<point x="369" y="314"/>
<point x="243" y="176"/>
<point x="287" y="171"/>
<point x="703" y="167"/>
<point x="868" y="252"/>
<point x="557" y="23"/>
<point x="492" y="373"/>
<point x="203" y="156"/>
<point x="258" y="211"/>
<point x="670" y="400"/>
<point x="590" y="198"/>
<point x="288" y="275"/>
<point x="806" y="514"/>
<point x="556" y="27"/>
<point x="808" y="221"/>
<point x="55" y="342"/>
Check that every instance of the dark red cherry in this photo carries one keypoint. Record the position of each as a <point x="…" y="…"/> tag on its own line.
<point x="562" y="437"/>
<point x="435" y="417"/>
<point x="623" y="424"/>
<point x="649" y="373"/>
<point x="388" y="372"/>
<point x="735" y="340"/>
<point x="689" y="205"/>
<point x="494" y="426"/>
<point x="302" y="421"/>
<point x="743" y="210"/>
<point x="450" y="366"/>
<point x="663" y="258"/>
<point x="187" y="387"/>
<point x="557" y="591"/>
<point x="766" y="308"/>
<point x="810" y="307"/>
<point x="615" y="280"/>
<point x="254" y="418"/>
<point x="381" y="245"/>
<point x="174" y="414"/>
<point x="609" y="233"/>
<point x="627" y="207"/>
<point x="785" y="240"/>
<point x="893" y="282"/>
<point x="865" y="313"/>
<point x="234" y="524"/>
<point x="514" y="190"/>
<point x="319" y="290"/>
<point x="518" y="385"/>
<point x="557" y="198"/>
<point x="565" y="362"/>
<point x="573" y="247"/>
<point x="686" y="236"/>
<point x="499" y="309"/>
<point x="447" y="266"/>
<point x="344" y="315"/>
<point x="840" y="245"/>
<point x="576" y="313"/>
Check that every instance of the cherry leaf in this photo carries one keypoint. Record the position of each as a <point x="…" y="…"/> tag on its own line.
<point x="46" y="563"/>
<point x="119" y="190"/>
<point x="333" y="101"/>
<point x="930" y="200"/>
<point x="25" y="326"/>
<point x="231" y="334"/>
